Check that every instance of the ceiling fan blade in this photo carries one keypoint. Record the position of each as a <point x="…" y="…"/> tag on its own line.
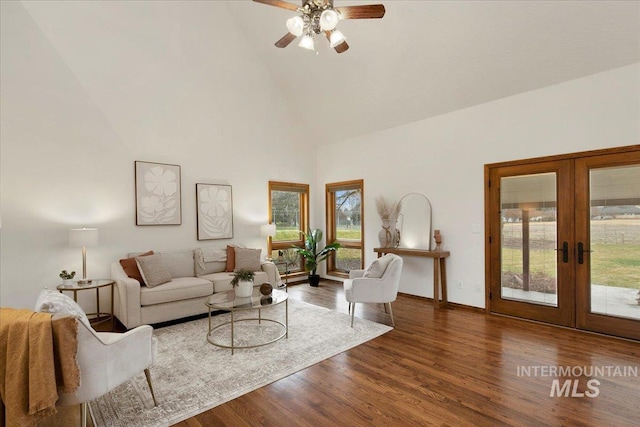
<point x="285" y="40"/>
<point x="279" y="3"/>
<point x="360" y="12"/>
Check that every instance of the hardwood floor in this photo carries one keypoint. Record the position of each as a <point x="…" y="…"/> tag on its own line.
<point x="452" y="367"/>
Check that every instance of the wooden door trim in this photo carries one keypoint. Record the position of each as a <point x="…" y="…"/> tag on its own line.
<point x="618" y="326"/>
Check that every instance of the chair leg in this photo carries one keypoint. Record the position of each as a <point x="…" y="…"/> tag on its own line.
<point x="353" y="312"/>
<point x="391" y="313"/>
<point x="148" y="375"/>
<point x="384" y="304"/>
<point x="83" y="414"/>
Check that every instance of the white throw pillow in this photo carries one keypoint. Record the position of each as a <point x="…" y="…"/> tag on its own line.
<point x="154" y="271"/>
<point x="377" y="268"/>
<point x="247" y="259"/>
<point x="50" y="301"/>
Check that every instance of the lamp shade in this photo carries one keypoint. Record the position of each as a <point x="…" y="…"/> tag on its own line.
<point x="83" y="237"/>
<point x="328" y="20"/>
<point x="268" y="230"/>
<point x="295" y="25"/>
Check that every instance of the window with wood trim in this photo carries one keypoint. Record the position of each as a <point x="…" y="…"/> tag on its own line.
<point x="289" y="210"/>
<point x="345" y="225"/>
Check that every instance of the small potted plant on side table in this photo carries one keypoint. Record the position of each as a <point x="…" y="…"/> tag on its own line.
<point x="67" y="278"/>
<point x="243" y="283"/>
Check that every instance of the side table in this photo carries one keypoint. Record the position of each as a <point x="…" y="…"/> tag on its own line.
<point x="96" y="284"/>
<point x="439" y="269"/>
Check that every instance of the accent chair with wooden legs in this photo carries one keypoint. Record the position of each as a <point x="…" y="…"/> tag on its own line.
<point x="379" y="283"/>
<point x="105" y="359"/>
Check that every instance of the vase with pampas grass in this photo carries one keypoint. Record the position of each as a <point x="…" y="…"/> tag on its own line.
<point x="389" y="236"/>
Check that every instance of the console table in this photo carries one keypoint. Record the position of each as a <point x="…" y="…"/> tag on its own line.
<point x="439" y="269"/>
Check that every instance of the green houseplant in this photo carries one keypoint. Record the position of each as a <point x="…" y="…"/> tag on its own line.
<point x="67" y="278"/>
<point x="313" y="257"/>
<point x="243" y="282"/>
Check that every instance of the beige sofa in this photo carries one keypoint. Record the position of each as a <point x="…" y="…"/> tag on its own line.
<point x="192" y="281"/>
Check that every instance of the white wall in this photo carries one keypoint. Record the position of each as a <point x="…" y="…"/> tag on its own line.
<point x="443" y="158"/>
<point x="87" y="89"/>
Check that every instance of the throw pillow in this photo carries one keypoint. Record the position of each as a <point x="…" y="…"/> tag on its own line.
<point x="231" y="259"/>
<point x="153" y="270"/>
<point x="377" y="268"/>
<point x="247" y="259"/>
<point x="50" y="301"/>
<point x="131" y="268"/>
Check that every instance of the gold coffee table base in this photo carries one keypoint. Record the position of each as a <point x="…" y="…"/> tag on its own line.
<point x="233" y="322"/>
<point x="227" y="301"/>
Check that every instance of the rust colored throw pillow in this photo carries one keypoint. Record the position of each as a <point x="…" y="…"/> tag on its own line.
<point x="130" y="267"/>
<point x="231" y="258"/>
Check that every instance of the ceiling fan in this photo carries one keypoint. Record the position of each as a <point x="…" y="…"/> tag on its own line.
<point x="321" y="17"/>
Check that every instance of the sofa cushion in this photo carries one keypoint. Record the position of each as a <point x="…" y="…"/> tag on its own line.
<point x="231" y="258"/>
<point x="50" y="301"/>
<point x="153" y="270"/>
<point x="247" y="259"/>
<point x="131" y="269"/>
<point x="222" y="281"/>
<point x="179" y="264"/>
<point x="377" y="268"/>
<point x="180" y="288"/>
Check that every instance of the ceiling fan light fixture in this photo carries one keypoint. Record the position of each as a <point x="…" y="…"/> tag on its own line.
<point x="336" y="38"/>
<point x="295" y="25"/>
<point x="307" y="42"/>
<point x="328" y="20"/>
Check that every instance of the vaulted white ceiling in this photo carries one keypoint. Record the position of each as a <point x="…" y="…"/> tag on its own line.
<point x="427" y="58"/>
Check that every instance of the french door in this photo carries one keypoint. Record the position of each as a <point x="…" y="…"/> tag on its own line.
<point x="563" y="240"/>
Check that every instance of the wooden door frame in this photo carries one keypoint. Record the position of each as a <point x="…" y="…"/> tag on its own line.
<point x="585" y="156"/>
<point x="586" y="320"/>
<point x="563" y="313"/>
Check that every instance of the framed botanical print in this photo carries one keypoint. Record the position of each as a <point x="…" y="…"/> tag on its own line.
<point x="158" y="194"/>
<point x="214" y="206"/>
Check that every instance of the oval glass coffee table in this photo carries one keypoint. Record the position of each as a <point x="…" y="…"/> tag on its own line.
<point x="227" y="301"/>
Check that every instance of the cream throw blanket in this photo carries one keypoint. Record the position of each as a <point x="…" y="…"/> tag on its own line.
<point x="210" y="254"/>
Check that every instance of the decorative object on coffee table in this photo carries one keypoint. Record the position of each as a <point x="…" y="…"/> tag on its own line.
<point x="313" y="257"/>
<point x="214" y="206"/>
<point x="266" y="289"/>
<point x="243" y="282"/>
<point x="158" y="194"/>
<point x="389" y="236"/>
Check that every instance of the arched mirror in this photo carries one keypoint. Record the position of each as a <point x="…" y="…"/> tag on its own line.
<point x="414" y="222"/>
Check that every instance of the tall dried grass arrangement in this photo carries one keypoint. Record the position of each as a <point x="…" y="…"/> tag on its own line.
<point x="387" y="210"/>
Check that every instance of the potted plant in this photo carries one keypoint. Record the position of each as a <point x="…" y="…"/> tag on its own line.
<point x="67" y="278"/>
<point x="243" y="282"/>
<point x="313" y="257"/>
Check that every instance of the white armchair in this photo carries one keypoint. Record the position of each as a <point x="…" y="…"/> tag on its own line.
<point x="105" y="359"/>
<point x="377" y="284"/>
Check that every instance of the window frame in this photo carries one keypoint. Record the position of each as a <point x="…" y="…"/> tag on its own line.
<point x="303" y="190"/>
<point x="331" y="235"/>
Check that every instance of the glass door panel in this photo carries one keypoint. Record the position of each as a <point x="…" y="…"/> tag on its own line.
<point x="531" y="241"/>
<point x="529" y="238"/>
<point x="615" y="241"/>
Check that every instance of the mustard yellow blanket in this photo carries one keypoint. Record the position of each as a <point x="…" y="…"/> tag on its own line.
<point x="37" y="359"/>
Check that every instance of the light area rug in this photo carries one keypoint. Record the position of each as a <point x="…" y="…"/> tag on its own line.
<point x="191" y="375"/>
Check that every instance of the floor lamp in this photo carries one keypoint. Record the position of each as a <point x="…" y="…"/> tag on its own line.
<point x="83" y="238"/>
